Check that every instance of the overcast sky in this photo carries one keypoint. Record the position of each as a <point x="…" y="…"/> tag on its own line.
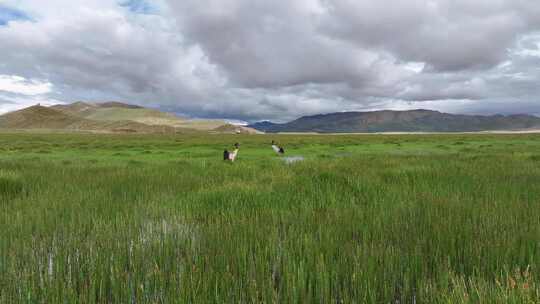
<point x="260" y="59"/>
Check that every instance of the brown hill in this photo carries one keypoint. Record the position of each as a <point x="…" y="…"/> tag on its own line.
<point x="111" y="117"/>
<point x="39" y="117"/>
<point x="116" y="111"/>
<point x="116" y="104"/>
<point x="79" y="108"/>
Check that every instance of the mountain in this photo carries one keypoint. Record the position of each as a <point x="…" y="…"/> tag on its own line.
<point x="103" y="117"/>
<point x="116" y="104"/>
<point x="125" y="118"/>
<point x="400" y="121"/>
<point x="264" y="126"/>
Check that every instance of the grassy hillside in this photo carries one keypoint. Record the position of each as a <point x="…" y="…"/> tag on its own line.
<point x="106" y="117"/>
<point x="44" y="118"/>
<point x="37" y="117"/>
<point x="115" y="111"/>
<point x="79" y="109"/>
<point x="128" y="114"/>
<point x="153" y="117"/>
<point x="363" y="219"/>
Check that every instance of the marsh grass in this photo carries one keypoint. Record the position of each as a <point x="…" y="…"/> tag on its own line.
<point x="11" y="184"/>
<point x="429" y="224"/>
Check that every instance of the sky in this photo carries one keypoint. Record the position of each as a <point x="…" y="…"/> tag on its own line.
<point x="276" y="60"/>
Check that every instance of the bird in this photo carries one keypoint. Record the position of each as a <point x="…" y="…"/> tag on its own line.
<point x="277" y="149"/>
<point x="231" y="155"/>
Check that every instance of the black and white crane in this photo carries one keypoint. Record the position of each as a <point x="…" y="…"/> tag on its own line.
<point x="231" y="155"/>
<point x="279" y="150"/>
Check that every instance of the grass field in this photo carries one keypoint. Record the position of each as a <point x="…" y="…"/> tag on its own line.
<point x="363" y="219"/>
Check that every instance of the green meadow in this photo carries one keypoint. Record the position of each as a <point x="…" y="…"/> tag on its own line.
<point x="362" y="219"/>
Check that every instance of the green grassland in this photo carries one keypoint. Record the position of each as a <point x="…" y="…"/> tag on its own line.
<point x="363" y="219"/>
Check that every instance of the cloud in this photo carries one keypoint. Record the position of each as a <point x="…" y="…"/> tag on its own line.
<point x="106" y="53"/>
<point x="21" y="85"/>
<point x="17" y="92"/>
<point x="138" y="6"/>
<point x="390" y="51"/>
<point x="258" y="59"/>
<point x="8" y="14"/>
<point x="12" y="102"/>
<point x="448" y="35"/>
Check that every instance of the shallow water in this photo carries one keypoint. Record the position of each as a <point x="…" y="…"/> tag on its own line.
<point x="344" y="154"/>
<point x="292" y="159"/>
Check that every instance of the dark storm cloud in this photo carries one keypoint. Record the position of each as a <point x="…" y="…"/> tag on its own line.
<point x="258" y="59"/>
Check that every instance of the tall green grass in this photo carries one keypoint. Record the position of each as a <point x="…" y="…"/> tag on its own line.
<point x="364" y="219"/>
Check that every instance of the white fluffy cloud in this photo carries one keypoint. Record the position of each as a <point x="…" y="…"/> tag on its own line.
<point x="17" y="92"/>
<point x="258" y="59"/>
<point x="21" y="85"/>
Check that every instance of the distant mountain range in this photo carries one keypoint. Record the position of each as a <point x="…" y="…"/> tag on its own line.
<point x="116" y="117"/>
<point x="400" y="121"/>
<point x="109" y="117"/>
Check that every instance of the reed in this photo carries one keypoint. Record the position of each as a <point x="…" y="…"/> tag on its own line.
<point x="361" y="219"/>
